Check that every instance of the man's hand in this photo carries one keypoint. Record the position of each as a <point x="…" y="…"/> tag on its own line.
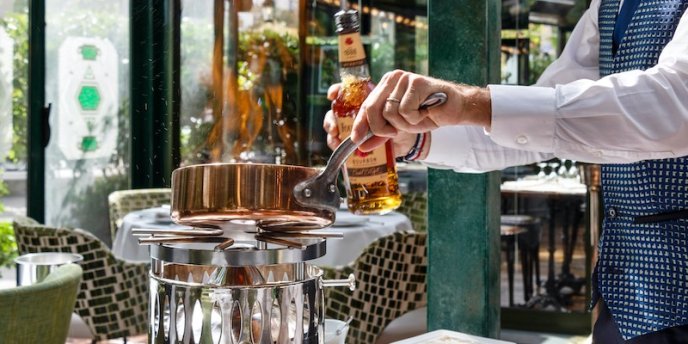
<point x="392" y="109"/>
<point x="402" y="143"/>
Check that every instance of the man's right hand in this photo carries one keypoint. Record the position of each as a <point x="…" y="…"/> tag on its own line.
<point x="402" y="143"/>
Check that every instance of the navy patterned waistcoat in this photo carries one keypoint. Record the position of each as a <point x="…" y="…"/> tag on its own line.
<point x="642" y="269"/>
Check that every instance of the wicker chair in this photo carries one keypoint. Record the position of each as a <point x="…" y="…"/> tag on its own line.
<point x="390" y="278"/>
<point x="123" y="202"/>
<point x="415" y="206"/>
<point x="40" y="313"/>
<point x="113" y="300"/>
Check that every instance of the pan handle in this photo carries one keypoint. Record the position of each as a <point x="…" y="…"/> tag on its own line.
<point x="321" y="191"/>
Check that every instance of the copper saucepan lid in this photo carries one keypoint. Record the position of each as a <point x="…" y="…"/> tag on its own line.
<point x="274" y="197"/>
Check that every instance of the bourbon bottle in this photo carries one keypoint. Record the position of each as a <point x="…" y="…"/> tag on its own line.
<point x="371" y="179"/>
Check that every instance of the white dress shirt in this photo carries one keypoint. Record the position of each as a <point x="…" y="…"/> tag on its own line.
<point x="573" y="114"/>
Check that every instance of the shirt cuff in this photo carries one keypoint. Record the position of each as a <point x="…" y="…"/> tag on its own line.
<point x="449" y="148"/>
<point x="523" y="117"/>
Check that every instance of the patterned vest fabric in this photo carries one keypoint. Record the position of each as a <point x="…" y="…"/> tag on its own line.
<point x="643" y="268"/>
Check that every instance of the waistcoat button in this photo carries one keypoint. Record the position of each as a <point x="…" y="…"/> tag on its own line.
<point x="611" y="213"/>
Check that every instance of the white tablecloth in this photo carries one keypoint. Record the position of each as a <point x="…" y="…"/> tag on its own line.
<point x="126" y="245"/>
<point x="359" y="232"/>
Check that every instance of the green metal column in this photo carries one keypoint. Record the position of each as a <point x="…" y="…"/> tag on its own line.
<point x="155" y="92"/>
<point x="463" y="215"/>
<point x="38" y="113"/>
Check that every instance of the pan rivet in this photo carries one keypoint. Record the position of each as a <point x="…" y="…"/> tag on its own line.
<point x="307" y="192"/>
<point x="332" y="188"/>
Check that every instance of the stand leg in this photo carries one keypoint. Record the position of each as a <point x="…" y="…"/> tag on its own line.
<point x="566" y="239"/>
<point x="536" y="258"/>
<point x="510" y="267"/>
<point x="527" y="272"/>
<point x="550" y="284"/>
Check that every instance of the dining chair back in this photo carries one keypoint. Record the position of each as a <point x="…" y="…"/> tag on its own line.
<point x="113" y="301"/>
<point x="415" y="206"/>
<point x="123" y="202"/>
<point x="390" y="281"/>
<point x="41" y="312"/>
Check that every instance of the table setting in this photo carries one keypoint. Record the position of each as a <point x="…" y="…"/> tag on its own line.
<point x="358" y="231"/>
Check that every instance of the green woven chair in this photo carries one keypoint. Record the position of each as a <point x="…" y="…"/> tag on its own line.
<point x="390" y="281"/>
<point x="40" y="313"/>
<point x="123" y="202"/>
<point x="113" y="301"/>
<point x="415" y="206"/>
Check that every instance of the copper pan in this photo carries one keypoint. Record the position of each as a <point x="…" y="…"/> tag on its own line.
<point x="260" y="193"/>
<point x="275" y="197"/>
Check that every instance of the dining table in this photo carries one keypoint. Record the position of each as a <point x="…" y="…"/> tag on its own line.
<point x="561" y="194"/>
<point x="358" y="231"/>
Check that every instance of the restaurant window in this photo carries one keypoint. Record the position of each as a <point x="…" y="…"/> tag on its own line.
<point x="87" y="87"/>
<point x="546" y="249"/>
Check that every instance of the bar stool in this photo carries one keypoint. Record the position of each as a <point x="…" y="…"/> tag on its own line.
<point x="528" y="246"/>
<point x="509" y="235"/>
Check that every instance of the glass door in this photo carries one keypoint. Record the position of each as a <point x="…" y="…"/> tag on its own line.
<point x="86" y="87"/>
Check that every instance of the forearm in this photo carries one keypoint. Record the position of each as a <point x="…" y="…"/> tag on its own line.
<point x="477" y="106"/>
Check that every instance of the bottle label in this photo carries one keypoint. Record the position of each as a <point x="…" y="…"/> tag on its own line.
<point x="351" y="53"/>
<point x="363" y="168"/>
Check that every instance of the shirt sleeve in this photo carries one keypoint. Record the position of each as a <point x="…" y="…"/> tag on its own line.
<point x="469" y="149"/>
<point x="624" y="117"/>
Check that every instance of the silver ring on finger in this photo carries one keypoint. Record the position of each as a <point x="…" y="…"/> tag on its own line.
<point x="393" y="100"/>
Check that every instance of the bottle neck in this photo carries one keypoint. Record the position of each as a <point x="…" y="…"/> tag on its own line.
<point x="358" y="72"/>
<point x="352" y="56"/>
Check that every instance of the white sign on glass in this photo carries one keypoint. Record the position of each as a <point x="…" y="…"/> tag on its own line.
<point x="88" y="98"/>
<point x="6" y="76"/>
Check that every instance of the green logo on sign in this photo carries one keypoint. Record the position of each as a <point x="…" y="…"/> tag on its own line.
<point x="89" y="143"/>
<point x="89" y="98"/>
<point x="89" y="52"/>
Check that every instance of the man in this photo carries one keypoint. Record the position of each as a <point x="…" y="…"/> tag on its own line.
<point x="617" y="96"/>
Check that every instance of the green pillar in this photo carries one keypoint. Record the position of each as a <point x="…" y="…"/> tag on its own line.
<point x="463" y="272"/>
<point x="38" y="113"/>
<point x="155" y="92"/>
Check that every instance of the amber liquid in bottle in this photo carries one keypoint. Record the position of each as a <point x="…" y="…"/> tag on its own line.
<point x="371" y="178"/>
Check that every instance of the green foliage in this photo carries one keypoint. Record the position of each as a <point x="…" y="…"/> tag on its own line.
<point x="282" y="46"/>
<point x="8" y="247"/>
<point x="16" y="26"/>
<point x="538" y="63"/>
<point x="538" y="60"/>
<point x="194" y="123"/>
<point x="197" y="120"/>
<point x="3" y="191"/>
